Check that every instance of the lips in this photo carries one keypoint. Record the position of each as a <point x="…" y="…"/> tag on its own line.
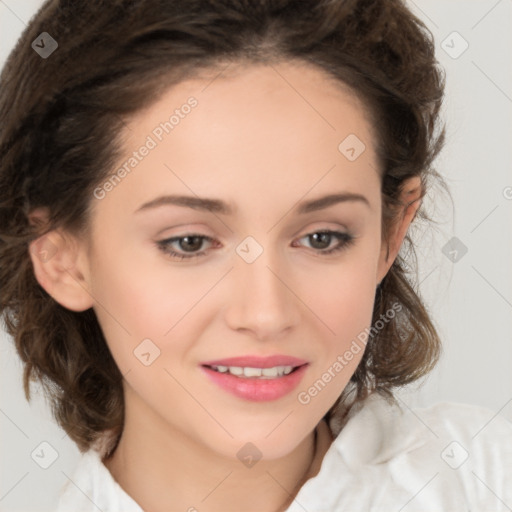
<point x="257" y="361"/>
<point x="256" y="378"/>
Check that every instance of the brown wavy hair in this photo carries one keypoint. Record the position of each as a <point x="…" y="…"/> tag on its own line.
<point x="59" y="138"/>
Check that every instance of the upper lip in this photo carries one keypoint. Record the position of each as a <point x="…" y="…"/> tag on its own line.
<point x="257" y="361"/>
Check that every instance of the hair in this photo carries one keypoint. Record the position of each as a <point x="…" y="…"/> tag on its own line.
<point x="116" y="58"/>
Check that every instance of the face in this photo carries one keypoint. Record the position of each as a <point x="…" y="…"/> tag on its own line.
<point x="263" y="278"/>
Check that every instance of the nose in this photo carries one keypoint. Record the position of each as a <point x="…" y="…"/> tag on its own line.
<point x="262" y="300"/>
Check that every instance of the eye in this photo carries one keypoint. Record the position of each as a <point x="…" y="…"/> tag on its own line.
<point x="187" y="243"/>
<point x="321" y="240"/>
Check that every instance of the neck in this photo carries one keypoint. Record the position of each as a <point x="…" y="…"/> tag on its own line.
<point x="164" y="469"/>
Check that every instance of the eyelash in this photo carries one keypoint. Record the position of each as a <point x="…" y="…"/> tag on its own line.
<point x="345" y="240"/>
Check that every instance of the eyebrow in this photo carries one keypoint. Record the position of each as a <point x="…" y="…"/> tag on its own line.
<point x="219" y="206"/>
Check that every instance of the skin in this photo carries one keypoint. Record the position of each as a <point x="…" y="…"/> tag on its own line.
<point x="258" y="143"/>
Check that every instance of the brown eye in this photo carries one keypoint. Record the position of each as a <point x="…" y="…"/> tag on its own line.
<point x="321" y="240"/>
<point x="190" y="243"/>
<point x="184" y="244"/>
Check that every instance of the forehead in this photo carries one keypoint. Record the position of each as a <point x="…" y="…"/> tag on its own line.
<point x="254" y="102"/>
<point x="268" y="131"/>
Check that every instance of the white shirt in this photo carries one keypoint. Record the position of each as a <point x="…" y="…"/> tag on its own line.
<point x="447" y="457"/>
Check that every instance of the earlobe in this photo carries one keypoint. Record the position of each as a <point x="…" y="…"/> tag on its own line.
<point x="57" y="268"/>
<point x="411" y="196"/>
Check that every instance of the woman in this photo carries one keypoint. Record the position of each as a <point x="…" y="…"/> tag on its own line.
<point x="203" y="205"/>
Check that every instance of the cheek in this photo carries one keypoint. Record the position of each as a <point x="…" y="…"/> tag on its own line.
<point x="343" y="294"/>
<point x="342" y="297"/>
<point x="338" y="357"/>
<point x="345" y="301"/>
<point x="138" y="300"/>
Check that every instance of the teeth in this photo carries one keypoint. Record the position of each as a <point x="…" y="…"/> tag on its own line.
<point x="248" y="372"/>
<point x="269" y="372"/>
<point x="252" y="372"/>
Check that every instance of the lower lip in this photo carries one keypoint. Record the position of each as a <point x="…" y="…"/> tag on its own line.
<point x="254" y="389"/>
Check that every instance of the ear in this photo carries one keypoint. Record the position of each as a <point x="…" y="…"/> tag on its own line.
<point x="60" y="265"/>
<point x="410" y="197"/>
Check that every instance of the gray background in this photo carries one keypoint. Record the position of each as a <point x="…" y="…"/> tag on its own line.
<point x="470" y="299"/>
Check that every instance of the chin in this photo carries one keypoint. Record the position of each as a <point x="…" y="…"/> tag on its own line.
<point x="264" y="439"/>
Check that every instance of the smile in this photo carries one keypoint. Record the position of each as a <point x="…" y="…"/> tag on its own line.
<point x="256" y="378"/>
<point x="259" y="373"/>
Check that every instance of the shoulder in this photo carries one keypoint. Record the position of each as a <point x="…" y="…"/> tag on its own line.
<point x="447" y="456"/>
<point x="461" y="434"/>
<point x="92" y="488"/>
<point x="393" y="429"/>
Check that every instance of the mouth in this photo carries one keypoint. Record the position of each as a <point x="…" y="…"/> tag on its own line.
<point x="249" y="372"/>
<point x="257" y="379"/>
